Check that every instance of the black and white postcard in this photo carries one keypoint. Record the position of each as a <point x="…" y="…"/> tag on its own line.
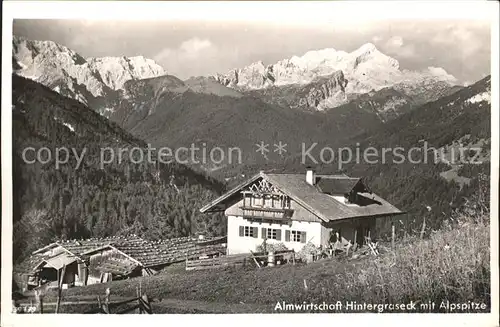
<point x="314" y="160"/>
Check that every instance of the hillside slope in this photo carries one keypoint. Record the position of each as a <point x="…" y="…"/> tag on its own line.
<point x="93" y="196"/>
<point x="165" y="111"/>
<point x="418" y="270"/>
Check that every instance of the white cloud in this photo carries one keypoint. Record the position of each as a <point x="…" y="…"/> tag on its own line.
<point x="396" y="45"/>
<point x="192" y="57"/>
<point x="395" y="42"/>
<point x="195" y="46"/>
<point x="458" y="35"/>
<point x="192" y="48"/>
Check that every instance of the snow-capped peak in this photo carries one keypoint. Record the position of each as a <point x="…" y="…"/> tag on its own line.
<point x="441" y="74"/>
<point x="366" y="48"/>
<point x="366" y="69"/>
<point x="115" y="71"/>
<point x="53" y="65"/>
<point x="68" y="73"/>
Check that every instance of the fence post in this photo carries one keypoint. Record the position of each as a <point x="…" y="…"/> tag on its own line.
<point x="106" y="301"/>
<point x="138" y="294"/>
<point x="59" y="288"/>
<point x="99" y="302"/>
<point x="146" y="305"/>
<point x="39" y="300"/>
<point x="270" y="259"/>
<point x="422" y="231"/>
<point x="393" y="236"/>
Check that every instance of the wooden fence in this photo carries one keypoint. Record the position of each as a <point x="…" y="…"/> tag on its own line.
<point x="141" y="303"/>
<point x="254" y="259"/>
<point x="217" y="262"/>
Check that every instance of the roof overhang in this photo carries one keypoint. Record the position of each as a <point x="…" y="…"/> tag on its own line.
<point x="380" y="215"/>
<point x="213" y="206"/>
<point x="59" y="261"/>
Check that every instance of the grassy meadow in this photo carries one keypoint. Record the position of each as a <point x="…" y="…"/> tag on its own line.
<point x="452" y="264"/>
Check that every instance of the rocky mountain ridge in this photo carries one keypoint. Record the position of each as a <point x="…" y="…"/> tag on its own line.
<point x="96" y="82"/>
<point x="328" y="78"/>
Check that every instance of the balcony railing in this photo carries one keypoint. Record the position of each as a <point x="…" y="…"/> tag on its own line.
<point x="266" y="213"/>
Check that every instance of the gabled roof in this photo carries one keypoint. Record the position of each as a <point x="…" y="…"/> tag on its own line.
<point x="117" y="266"/>
<point x="78" y="247"/>
<point x="313" y="198"/>
<point x="211" y="207"/>
<point x="60" y="261"/>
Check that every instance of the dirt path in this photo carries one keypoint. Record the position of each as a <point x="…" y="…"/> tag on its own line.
<point x="192" y="306"/>
<point x="169" y="305"/>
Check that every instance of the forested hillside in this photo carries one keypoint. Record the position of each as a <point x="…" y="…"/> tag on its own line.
<point x="77" y="201"/>
<point x="164" y="112"/>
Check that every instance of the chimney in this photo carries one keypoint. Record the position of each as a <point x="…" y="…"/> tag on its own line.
<point x="310" y="176"/>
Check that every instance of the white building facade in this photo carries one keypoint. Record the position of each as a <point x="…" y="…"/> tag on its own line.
<point x="295" y="210"/>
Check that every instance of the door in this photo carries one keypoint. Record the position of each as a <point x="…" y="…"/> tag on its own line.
<point x="360" y="238"/>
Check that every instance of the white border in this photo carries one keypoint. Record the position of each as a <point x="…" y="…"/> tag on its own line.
<point x="316" y="14"/>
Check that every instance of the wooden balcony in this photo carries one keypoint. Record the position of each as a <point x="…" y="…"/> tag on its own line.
<point x="266" y="213"/>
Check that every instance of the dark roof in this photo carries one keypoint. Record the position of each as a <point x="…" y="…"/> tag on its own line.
<point x="142" y="252"/>
<point x="340" y="185"/>
<point x="151" y="254"/>
<point x="323" y="205"/>
<point x="117" y="266"/>
<point x="29" y="264"/>
<point x="78" y="247"/>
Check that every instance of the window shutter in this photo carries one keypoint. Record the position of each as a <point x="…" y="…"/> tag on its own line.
<point x="264" y="233"/>
<point x="287" y="236"/>
<point x="303" y="237"/>
<point x="278" y="234"/>
<point x="242" y="230"/>
<point x="255" y="232"/>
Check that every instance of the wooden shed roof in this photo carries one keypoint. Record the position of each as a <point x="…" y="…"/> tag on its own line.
<point x="116" y="266"/>
<point x="142" y="252"/>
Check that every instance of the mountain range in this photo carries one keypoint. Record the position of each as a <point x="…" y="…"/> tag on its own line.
<point x="318" y="80"/>
<point x="262" y="103"/>
<point x="96" y="82"/>
<point x="327" y="78"/>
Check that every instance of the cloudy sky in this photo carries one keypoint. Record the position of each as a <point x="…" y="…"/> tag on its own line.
<point x="188" y="48"/>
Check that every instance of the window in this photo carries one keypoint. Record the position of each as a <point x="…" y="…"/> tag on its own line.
<point x="258" y="202"/>
<point x="271" y="234"/>
<point x="295" y="236"/>
<point x="285" y="202"/>
<point x="248" y="231"/>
